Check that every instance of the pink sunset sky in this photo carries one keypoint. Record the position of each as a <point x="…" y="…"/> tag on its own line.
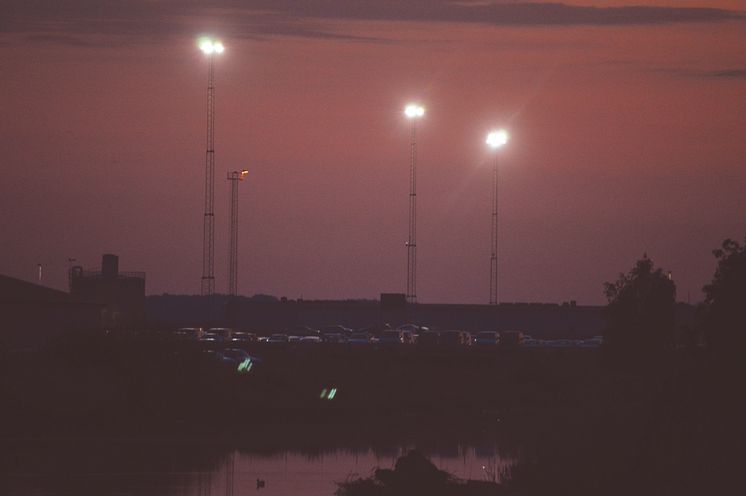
<point x="627" y="124"/>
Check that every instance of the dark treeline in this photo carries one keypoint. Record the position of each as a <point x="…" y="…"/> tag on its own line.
<point x="641" y="309"/>
<point x="648" y="414"/>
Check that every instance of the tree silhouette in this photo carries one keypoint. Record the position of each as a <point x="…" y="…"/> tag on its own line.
<point x="725" y="301"/>
<point x="640" y="312"/>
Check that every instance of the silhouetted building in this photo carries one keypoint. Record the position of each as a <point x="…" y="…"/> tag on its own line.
<point x="121" y="293"/>
<point x="32" y="315"/>
<point x="393" y="308"/>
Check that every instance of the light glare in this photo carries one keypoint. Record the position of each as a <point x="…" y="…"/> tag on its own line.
<point x="414" y="110"/>
<point x="496" y="139"/>
<point x="206" y="47"/>
<point x="209" y="46"/>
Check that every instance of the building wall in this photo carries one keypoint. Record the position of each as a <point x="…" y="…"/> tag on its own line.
<point x="123" y="298"/>
<point x="31" y="325"/>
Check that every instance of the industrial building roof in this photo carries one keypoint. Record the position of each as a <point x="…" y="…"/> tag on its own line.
<point x="14" y="290"/>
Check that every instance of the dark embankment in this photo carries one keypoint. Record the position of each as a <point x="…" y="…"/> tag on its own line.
<point x="673" y="425"/>
<point x="105" y="386"/>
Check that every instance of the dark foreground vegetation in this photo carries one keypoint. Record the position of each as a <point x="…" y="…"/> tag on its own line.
<point x="644" y="415"/>
<point x="415" y="474"/>
<point x="575" y="421"/>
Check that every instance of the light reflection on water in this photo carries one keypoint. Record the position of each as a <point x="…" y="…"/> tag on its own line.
<point x="295" y="473"/>
<point x="236" y="473"/>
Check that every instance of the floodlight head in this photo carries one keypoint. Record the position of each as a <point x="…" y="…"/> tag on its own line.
<point x="209" y="46"/>
<point x="496" y="139"/>
<point x="244" y="173"/>
<point x="206" y="46"/>
<point x="413" y="110"/>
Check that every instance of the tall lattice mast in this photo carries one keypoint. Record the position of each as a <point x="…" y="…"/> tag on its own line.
<point x="234" y="177"/>
<point x="493" y="255"/>
<point x="209" y="48"/>
<point x="495" y="140"/>
<point x="413" y="112"/>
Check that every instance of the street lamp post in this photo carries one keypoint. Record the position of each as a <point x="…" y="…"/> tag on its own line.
<point x="413" y="112"/>
<point x="234" y="177"/>
<point x="210" y="48"/>
<point x="495" y="140"/>
<point x="70" y="273"/>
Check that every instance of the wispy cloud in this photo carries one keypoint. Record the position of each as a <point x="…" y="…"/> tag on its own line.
<point x="259" y="19"/>
<point x="731" y="73"/>
<point x="61" y="39"/>
<point x="497" y="13"/>
<point x="707" y="74"/>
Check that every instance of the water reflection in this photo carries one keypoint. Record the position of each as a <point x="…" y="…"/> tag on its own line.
<point x="151" y="469"/>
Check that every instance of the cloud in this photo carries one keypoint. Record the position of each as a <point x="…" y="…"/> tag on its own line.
<point x="731" y="73"/>
<point x="260" y="19"/>
<point x="502" y="13"/>
<point x="60" y="39"/>
<point x="708" y="74"/>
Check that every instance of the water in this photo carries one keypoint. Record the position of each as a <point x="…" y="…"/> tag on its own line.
<point x="198" y="471"/>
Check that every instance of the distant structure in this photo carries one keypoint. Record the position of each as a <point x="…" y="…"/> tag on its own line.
<point x="540" y="320"/>
<point x="122" y="294"/>
<point x="394" y="308"/>
<point x="234" y="177"/>
<point x="34" y="315"/>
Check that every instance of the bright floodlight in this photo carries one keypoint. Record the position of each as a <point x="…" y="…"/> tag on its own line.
<point x="496" y="139"/>
<point x="413" y="110"/>
<point x="209" y="46"/>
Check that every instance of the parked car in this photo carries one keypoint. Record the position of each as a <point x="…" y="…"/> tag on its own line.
<point x="224" y="332"/>
<point x="511" y="339"/>
<point x="302" y="331"/>
<point x="211" y="337"/>
<point x="278" y="339"/>
<point x="453" y="338"/>
<point x="212" y="360"/>
<point x="231" y="359"/>
<point x="594" y="342"/>
<point x="243" y="337"/>
<point x="336" y="329"/>
<point x="429" y="338"/>
<point x="360" y="338"/>
<point x="238" y="356"/>
<point x="391" y="337"/>
<point x="187" y="334"/>
<point x="309" y="340"/>
<point x="333" y="337"/>
<point x="487" y="338"/>
<point x="561" y="343"/>
<point x="413" y="328"/>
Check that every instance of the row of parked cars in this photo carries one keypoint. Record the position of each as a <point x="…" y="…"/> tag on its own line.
<point x="404" y="335"/>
